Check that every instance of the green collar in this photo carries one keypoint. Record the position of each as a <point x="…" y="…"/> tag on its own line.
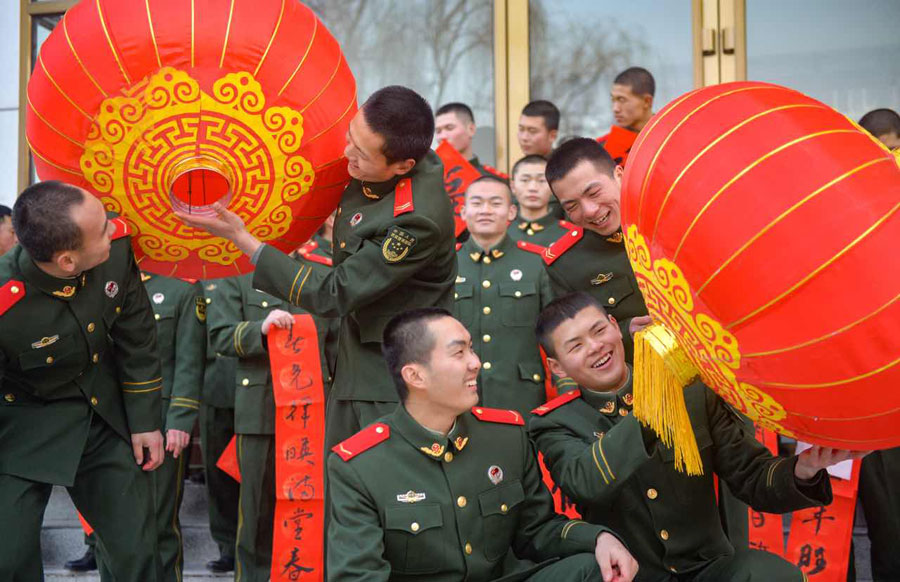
<point x="425" y="441"/>
<point x="613" y="402"/>
<point x="64" y="289"/>
<point x="498" y="251"/>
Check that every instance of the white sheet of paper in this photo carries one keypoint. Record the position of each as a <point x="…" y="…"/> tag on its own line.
<point x="842" y="470"/>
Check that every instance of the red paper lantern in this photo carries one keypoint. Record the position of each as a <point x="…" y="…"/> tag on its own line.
<point x="761" y="225"/>
<point x="155" y="104"/>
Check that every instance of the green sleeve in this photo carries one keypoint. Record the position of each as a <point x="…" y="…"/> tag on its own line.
<point x="545" y="288"/>
<point x="355" y="538"/>
<point x="190" y="359"/>
<point x="755" y="475"/>
<point x="359" y="280"/>
<point x="541" y="533"/>
<point x="137" y="360"/>
<point x="229" y="333"/>
<point x="592" y="473"/>
<point x="558" y="284"/>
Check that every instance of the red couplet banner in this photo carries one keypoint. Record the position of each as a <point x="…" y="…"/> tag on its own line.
<point x="299" y="533"/>
<point x="458" y="174"/>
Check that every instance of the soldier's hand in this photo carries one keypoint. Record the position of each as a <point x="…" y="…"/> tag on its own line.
<point x="176" y="441"/>
<point x="816" y="458"/>
<point x="279" y="318"/>
<point x="615" y="561"/>
<point x="225" y="224"/>
<point x="638" y="323"/>
<point x="153" y="441"/>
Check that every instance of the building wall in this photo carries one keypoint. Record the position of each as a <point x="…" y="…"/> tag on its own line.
<point x="9" y="101"/>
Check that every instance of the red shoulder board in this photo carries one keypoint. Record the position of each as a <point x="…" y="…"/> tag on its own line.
<point x="458" y="246"/>
<point x="531" y="247"/>
<point x="567" y="225"/>
<point x="564" y="243"/>
<point x="187" y="280"/>
<point x="10" y="294"/>
<point x="121" y="228"/>
<point x="403" y="199"/>
<point x="308" y="247"/>
<point x="498" y="415"/>
<point x="322" y="260"/>
<point x="496" y="172"/>
<point x="362" y="441"/>
<point x="556" y="402"/>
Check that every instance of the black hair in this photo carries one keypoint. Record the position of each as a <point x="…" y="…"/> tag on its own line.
<point x="493" y="179"/>
<point x="42" y="219"/>
<point x="403" y="118"/>
<point x="638" y="79"/>
<point x="4" y="212"/>
<point x="568" y="155"/>
<point x="529" y="159"/>
<point x="558" y="311"/>
<point x="545" y="109"/>
<point x="407" y="340"/>
<point x="881" y="122"/>
<point x="461" y="110"/>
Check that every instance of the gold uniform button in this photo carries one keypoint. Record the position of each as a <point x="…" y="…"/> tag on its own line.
<point x="343" y="244"/>
<point x="487" y="365"/>
<point x="611" y="300"/>
<point x="91" y="327"/>
<point x="673" y="569"/>
<point x="245" y="382"/>
<point x="461" y="501"/>
<point x="456" y="295"/>
<point x="94" y="400"/>
<point x="486" y="338"/>
<point x="485" y="283"/>
<point x="530" y="232"/>
<point x="119" y="309"/>
<point x="468" y="548"/>
<point x="14" y="289"/>
<point x="487" y="261"/>
<point x="265" y="303"/>
<point x="536" y="377"/>
<point x="208" y="301"/>
<point x="664" y="534"/>
<point x="504" y="508"/>
<point x="486" y="310"/>
<point x="448" y="457"/>
<point x="156" y="316"/>
<point x="49" y="359"/>
<point x="518" y="294"/>
<point x="652" y="493"/>
<point x="95" y="358"/>
<point x="10" y="397"/>
<point x="379" y="429"/>
<point x="414" y="526"/>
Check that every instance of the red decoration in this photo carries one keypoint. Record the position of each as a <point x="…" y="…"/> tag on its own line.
<point x="155" y="104"/>
<point x="458" y="174"/>
<point x="761" y="225"/>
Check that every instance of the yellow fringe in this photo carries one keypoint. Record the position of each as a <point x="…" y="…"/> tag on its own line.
<point x="661" y="372"/>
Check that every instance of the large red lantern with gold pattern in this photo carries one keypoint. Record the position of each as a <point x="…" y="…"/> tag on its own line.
<point x="763" y="229"/>
<point x="159" y="104"/>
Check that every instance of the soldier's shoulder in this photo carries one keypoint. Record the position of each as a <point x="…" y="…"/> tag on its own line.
<point x="498" y="416"/>
<point x="362" y="441"/>
<point x="556" y="403"/>
<point x="570" y="237"/>
<point x="11" y="292"/>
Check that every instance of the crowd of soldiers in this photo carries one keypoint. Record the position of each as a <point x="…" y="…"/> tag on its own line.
<point x="438" y="353"/>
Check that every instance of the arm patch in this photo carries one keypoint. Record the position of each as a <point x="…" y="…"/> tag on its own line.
<point x="397" y="244"/>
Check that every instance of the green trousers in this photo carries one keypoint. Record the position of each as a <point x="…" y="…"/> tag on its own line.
<point x="742" y="566"/>
<point x="113" y="494"/>
<point x="216" y="430"/>
<point x="577" y="568"/>
<point x="256" y="508"/>
<point x="879" y="492"/>
<point x="168" y="481"/>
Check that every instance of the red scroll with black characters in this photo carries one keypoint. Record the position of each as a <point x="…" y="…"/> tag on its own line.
<point x="458" y="174"/>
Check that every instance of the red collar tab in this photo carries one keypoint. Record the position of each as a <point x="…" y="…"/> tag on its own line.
<point x="531" y="247"/>
<point x="563" y="398"/>
<point x="10" y="294"/>
<point x="121" y="228"/>
<point x="403" y="197"/>
<point x="362" y="441"/>
<point x="498" y="415"/>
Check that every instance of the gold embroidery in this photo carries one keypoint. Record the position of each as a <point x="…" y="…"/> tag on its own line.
<point x="67" y="291"/>
<point x="601" y="279"/>
<point x="616" y="238"/>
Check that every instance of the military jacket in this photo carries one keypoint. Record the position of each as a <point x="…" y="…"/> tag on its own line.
<point x="499" y="294"/>
<point x="487" y="170"/>
<point x="235" y="329"/>
<point x="317" y="253"/>
<point x="220" y="370"/>
<point x="180" y="314"/>
<point x="394" y="250"/>
<point x="449" y="509"/>
<point x="544" y="231"/>
<point x="619" y="474"/>
<point x="70" y="348"/>
<point x="583" y="260"/>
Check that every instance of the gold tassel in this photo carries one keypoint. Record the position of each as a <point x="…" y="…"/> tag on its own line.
<point x="661" y="372"/>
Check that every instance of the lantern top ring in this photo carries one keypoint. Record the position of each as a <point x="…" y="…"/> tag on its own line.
<point x="196" y="182"/>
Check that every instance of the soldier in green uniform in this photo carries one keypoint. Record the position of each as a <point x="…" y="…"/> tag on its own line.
<point x="464" y="486"/>
<point x="500" y="290"/>
<point x="455" y="124"/>
<point x="216" y="431"/>
<point x="80" y="382"/>
<point x="535" y="222"/>
<point x="394" y="250"/>
<point x="239" y="323"/>
<point x="618" y="473"/>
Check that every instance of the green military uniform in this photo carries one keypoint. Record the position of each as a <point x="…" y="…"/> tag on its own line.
<point x="235" y="329"/>
<point x="180" y="313"/>
<point x="499" y="294"/>
<point x="879" y="479"/>
<point x="393" y="251"/>
<point x="544" y="231"/>
<point x="318" y="254"/>
<point x="216" y="431"/>
<point x="79" y="374"/>
<point x="487" y="170"/>
<point x="619" y="474"/>
<point x="450" y="508"/>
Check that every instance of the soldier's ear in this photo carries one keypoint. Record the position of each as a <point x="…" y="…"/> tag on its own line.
<point x="513" y="211"/>
<point x="413" y="375"/>
<point x="556" y="368"/>
<point x="403" y="166"/>
<point x="65" y="261"/>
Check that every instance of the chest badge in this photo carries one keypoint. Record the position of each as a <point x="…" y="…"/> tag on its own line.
<point x="356" y="219"/>
<point x="601" y="278"/>
<point x="158" y="298"/>
<point x="44" y="342"/>
<point x="111" y="289"/>
<point x="460" y="279"/>
<point x="495" y="474"/>
<point x="211" y="287"/>
<point x="410" y="497"/>
<point x="515" y="275"/>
